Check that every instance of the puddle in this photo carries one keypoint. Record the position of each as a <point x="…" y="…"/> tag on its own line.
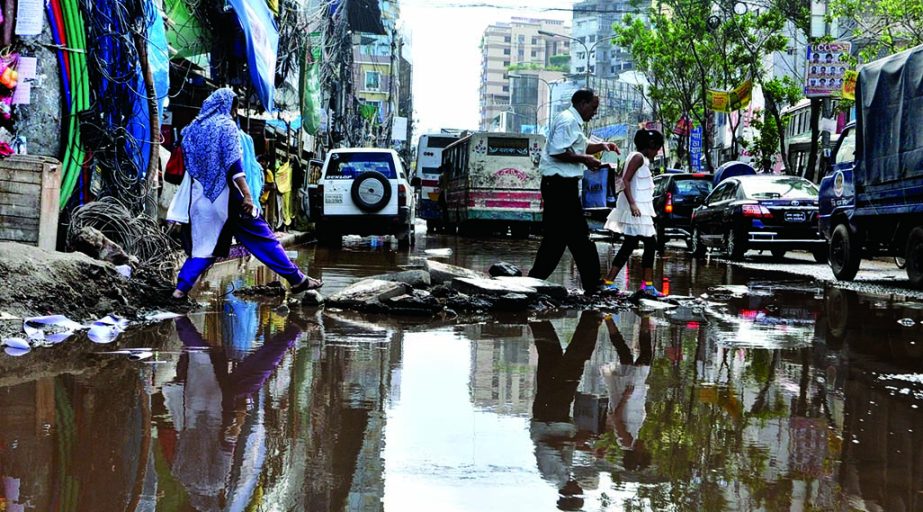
<point x="781" y="396"/>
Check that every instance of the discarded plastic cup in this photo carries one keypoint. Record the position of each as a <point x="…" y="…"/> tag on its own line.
<point x="907" y="322"/>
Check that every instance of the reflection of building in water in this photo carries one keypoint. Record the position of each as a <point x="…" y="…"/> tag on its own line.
<point x="502" y="362"/>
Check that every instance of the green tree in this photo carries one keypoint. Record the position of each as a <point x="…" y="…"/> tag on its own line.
<point x="882" y="27"/>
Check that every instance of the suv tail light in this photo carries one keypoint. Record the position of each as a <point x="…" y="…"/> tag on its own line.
<point x="756" y="211"/>
<point x="669" y="207"/>
<point x="401" y="195"/>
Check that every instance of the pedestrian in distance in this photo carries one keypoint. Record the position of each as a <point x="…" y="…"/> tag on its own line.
<point x="567" y="153"/>
<point x="217" y="205"/>
<point x="633" y="215"/>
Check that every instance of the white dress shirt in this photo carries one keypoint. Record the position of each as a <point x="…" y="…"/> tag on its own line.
<point x="566" y="133"/>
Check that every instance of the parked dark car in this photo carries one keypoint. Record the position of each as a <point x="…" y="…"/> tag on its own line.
<point x="772" y="212"/>
<point x="675" y="196"/>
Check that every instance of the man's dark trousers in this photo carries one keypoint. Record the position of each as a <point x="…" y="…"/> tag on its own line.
<point x="564" y="225"/>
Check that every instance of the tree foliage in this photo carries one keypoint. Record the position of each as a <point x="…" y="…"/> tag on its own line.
<point x="880" y="27"/>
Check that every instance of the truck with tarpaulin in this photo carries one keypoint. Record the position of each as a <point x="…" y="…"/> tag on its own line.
<point x="871" y="199"/>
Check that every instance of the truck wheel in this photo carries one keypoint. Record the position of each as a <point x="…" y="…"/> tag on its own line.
<point x="844" y="253"/>
<point x="736" y="248"/>
<point x="696" y="247"/>
<point x="914" y="258"/>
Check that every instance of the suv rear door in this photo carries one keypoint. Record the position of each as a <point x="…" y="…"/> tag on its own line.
<point x="360" y="183"/>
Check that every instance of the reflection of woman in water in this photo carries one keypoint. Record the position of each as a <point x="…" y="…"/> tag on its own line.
<point x="558" y="376"/>
<point x="209" y="410"/>
<point x="627" y="383"/>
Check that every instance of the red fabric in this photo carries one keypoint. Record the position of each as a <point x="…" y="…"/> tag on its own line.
<point x="176" y="168"/>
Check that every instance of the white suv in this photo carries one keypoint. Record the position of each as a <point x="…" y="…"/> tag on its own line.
<point x="363" y="191"/>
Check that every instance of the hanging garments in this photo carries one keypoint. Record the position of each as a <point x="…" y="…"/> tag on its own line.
<point x="284" y="189"/>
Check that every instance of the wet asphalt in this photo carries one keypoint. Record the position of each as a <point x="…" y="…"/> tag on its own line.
<point x="785" y="393"/>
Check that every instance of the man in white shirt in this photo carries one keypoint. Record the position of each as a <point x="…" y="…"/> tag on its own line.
<point x="567" y="153"/>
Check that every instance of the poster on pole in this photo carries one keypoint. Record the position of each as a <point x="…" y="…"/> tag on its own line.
<point x="733" y="100"/>
<point x="695" y="148"/>
<point x="826" y="69"/>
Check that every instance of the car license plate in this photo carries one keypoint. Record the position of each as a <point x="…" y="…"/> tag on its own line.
<point x="795" y="217"/>
<point x="333" y="199"/>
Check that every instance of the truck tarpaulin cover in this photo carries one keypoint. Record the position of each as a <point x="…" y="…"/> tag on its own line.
<point x="891" y="92"/>
<point x="365" y="16"/>
<point x="262" y="38"/>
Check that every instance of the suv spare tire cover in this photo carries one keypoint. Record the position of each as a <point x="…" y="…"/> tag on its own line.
<point x="371" y="191"/>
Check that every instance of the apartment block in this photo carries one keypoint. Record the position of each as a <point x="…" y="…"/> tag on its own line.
<point x="509" y="48"/>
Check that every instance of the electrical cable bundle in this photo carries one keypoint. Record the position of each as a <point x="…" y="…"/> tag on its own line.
<point x="117" y="128"/>
<point x="68" y="33"/>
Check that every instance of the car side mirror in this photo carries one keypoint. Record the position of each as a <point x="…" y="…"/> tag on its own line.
<point x="415" y="182"/>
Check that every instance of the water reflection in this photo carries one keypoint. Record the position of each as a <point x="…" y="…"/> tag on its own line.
<point x="787" y="397"/>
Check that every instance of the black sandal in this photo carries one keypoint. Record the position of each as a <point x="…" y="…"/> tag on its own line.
<point x="309" y="283"/>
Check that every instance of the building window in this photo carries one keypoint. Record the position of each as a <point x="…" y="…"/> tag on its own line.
<point x="581" y="55"/>
<point x="521" y="54"/>
<point x="534" y="53"/>
<point x="507" y="39"/>
<point x="592" y="39"/>
<point x="506" y="51"/>
<point x="506" y="88"/>
<point x="372" y="81"/>
<point x="521" y="38"/>
<point x="580" y="69"/>
<point x="506" y="63"/>
<point x="534" y="40"/>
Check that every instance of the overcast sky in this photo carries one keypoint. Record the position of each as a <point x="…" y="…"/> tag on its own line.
<point x="446" y="36"/>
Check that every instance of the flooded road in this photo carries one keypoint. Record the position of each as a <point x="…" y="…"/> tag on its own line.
<point x="784" y="396"/>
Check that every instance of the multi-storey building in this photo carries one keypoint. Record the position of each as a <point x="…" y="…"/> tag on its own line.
<point x="593" y="20"/>
<point x="510" y="49"/>
<point x="378" y="69"/>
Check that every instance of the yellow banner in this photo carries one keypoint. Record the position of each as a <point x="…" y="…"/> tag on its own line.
<point x="729" y="101"/>
<point x="850" y="78"/>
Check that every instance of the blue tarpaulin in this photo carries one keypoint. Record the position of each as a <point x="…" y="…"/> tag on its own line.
<point x="262" y="41"/>
<point x="611" y="131"/>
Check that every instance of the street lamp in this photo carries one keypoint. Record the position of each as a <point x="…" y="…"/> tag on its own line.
<point x="585" y="48"/>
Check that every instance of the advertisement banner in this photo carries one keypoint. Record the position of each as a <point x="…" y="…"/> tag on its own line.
<point x="730" y="101"/>
<point x="310" y="86"/>
<point x="849" y="84"/>
<point x="826" y="69"/>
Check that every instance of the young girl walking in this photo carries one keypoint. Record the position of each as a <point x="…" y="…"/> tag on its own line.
<point x="633" y="215"/>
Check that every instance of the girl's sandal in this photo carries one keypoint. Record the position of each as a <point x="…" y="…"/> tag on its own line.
<point x="309" y="283"/>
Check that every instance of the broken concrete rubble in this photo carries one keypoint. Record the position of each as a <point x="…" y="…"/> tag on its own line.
<point x="504" y="269"/>
<point x="419" y="278"/>
<point x="441" y="273"/>
<point x="368" y="293"/>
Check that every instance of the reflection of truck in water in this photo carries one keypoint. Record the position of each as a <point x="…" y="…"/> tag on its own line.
<point x="871" y="201"/>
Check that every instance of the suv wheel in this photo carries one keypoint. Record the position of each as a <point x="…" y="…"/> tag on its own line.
<point x="406" y="239"/>
<point x="371" y="191"/>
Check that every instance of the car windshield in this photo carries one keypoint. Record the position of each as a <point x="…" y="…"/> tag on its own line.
<point x="693" y="187"/>
<point x="779" y="188"/>
<point x="350" y="165"/>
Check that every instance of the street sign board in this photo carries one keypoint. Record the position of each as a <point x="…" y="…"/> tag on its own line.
<point x="826" y="68"/>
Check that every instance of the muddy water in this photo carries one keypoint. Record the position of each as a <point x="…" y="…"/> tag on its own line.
<point x="787" y="397"/>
